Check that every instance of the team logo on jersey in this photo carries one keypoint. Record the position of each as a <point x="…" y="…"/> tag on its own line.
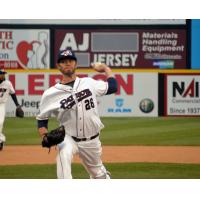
<point x="2" y="91"/>
<point x="70" y="102"/>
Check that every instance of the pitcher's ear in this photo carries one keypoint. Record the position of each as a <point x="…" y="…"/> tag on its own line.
<point x="58" y="66"/>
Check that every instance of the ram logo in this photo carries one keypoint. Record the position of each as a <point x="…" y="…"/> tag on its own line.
<point x="119" y="102"/>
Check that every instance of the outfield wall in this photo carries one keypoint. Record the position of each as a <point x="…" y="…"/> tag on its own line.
<point x="142" y="53"/>
<point x="134" y="92"/>
<point x="121" y="44"/>
<point x="140" y="92"/>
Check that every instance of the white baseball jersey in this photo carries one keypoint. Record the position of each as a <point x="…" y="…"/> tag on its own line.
<point x="6" y="88"/>
<point x="75" y="108"/>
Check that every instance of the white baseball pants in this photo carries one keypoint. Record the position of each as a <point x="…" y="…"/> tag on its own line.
<point x="2" y="117"/>
<point x="89" y="153"/>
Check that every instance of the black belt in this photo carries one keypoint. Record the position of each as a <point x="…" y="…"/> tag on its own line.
<point x="84" y="139"/>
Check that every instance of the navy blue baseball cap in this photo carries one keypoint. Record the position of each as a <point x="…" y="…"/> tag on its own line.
<point x="65" y="54"/>
<point x="2" y="72"/>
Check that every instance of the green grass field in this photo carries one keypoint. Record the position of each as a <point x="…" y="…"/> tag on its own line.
<point x="118" y="131"/>
<point x="118" y="171"/>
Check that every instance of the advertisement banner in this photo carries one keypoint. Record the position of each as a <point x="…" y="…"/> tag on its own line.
<point x="137" y="96"/>
<point x="125" y="48"/>
<point x="137" y="93"/>
<point x="182" y="95"/>
<point x="24" y="49"/>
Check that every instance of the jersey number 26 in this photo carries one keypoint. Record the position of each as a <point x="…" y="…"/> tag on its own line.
<point x="89" y="104"/>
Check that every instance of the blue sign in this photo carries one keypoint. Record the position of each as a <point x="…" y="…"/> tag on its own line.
<point x="195" y="50"/>
<point x="119" y="107"/>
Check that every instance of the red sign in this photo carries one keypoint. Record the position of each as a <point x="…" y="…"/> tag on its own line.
<point x="36" y="82"/>
<point x="125" y="48"/>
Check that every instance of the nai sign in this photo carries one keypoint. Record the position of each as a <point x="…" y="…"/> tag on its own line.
<point x="182" y="95"/>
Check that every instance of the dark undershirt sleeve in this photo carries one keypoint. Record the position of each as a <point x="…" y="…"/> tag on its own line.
<point x="14" y="98"/>
<point x="43" y="123"/>
<point x="112" y="85"/>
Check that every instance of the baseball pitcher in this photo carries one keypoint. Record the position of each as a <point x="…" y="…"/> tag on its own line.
<point x="73" y="102"/>
<point x="6" y="89"/>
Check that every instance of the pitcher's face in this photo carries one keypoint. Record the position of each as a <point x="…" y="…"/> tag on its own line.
<point x="67" y="67"/>
<point x="2" y="76"/>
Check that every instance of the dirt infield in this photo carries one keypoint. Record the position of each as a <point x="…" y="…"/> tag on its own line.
<point x="32" y="154"/>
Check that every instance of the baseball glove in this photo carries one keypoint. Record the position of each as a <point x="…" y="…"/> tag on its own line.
<point x="19" y="112"/>
<point x="53" y="137"/>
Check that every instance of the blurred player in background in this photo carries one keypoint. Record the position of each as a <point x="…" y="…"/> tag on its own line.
<point x="6" y="89"/>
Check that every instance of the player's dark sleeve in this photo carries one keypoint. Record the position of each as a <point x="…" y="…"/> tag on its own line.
<point x="14" y="98"/>
<point x="112" y="85"/>
<point x="43" y="123"/>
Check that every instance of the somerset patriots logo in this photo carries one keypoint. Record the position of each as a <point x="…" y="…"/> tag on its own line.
<point x="67" y="53"/>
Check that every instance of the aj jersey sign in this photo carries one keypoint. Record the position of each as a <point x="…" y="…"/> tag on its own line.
<point x="124" y="48"/>
<point x="182" y="95"/>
